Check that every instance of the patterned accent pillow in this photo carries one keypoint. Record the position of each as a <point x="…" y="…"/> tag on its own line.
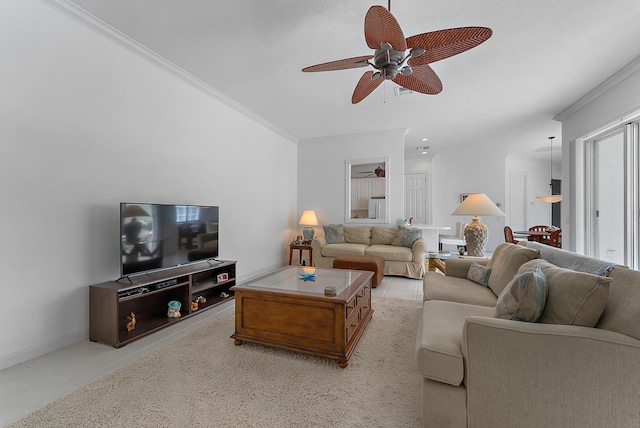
<point x="406" y="237"/>
<point x="524" y="298"/>
<point x="479" y="274"/>
<point x="605" y="270"/>
<point x="334" y="233"/>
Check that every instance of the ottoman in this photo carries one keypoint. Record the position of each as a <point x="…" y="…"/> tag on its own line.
<point x="374" y="264"/>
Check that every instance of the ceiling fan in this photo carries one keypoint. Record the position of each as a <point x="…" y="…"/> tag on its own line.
<point x="378" y="172"/>
<point x="410" y="70"/>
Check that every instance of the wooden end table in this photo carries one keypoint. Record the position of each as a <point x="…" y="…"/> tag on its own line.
<point x="301" y="248"/>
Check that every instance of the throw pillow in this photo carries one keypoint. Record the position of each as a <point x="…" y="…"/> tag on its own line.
<point x="382" y="235"/>
<point x="574" y="298"/>
<point x="505" y="262"/>
<point x="334" y="233"/>
<point x="357" y="234"/>
<point x="523" y="299"/>
<point x="605" y="270"/>
<point x="479" y="274"/>
<point x="406" y="237"/>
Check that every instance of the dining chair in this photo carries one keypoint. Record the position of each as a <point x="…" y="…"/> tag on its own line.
<point x="539" y="228"/>
<point x="508" y="235"/>
<point x="555" y="238"/>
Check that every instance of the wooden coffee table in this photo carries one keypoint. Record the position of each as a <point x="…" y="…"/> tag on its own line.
<point x="285" y="311"/>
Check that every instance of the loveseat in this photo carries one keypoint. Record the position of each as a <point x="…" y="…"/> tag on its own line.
<point x="577" y="366"/>
<point x="402" y="249"/>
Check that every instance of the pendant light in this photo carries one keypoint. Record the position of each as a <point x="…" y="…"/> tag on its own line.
<point x="549" y="196"/>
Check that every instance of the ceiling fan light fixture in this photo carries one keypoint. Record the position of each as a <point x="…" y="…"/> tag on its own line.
<point x="406" y="70"/>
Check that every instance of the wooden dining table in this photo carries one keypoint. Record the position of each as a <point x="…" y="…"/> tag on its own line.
<point x="536" y="235"/>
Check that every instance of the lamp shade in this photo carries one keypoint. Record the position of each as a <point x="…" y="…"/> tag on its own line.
<point x="309" y="218"/>
<point x="134" y="211"/>
<point x="478" y="204"/>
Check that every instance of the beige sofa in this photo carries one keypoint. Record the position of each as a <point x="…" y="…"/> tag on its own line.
<point x="373" y="241"/>
<point x="482" y="371"/>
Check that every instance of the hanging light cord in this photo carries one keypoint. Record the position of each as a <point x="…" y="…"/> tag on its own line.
<point x="551" y="164"/>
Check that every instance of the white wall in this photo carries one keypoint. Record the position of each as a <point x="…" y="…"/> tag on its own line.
<point x="487" y="173"/>
<point x="321" y="172"/>
<point x="87" y="124"/>
<point x="609" y="107"/>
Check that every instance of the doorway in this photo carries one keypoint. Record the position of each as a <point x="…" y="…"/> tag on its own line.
<point x="416" y="195"/>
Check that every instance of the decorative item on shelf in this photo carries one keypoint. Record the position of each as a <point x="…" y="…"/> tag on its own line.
<point x="308" y="220"/>
<point x="195" y="305"/>
<point x="549" y="196"/>
<point x="173" y="310"/>
<point x="222" y="277"/>
<point x="461" y="250"/>
<point x="224" y="294"/>
<point x="131" y="325"/>
<point x="476" y="233"/>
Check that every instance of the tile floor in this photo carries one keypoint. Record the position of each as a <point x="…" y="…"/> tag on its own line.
<point x="33" y="384"/>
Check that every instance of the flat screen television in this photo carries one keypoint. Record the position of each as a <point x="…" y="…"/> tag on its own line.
<point x="158" y="236"/>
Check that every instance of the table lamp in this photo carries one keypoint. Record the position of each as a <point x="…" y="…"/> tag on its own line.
<point x="308" y="220"/>
<point x="476" y="233"/>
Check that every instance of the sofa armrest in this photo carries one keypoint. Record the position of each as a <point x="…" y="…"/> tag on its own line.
<point x="460" y="267"/>
<point x="418" y="249"/>
<point x="531" y="374"/>
<point x="318" y="243"/>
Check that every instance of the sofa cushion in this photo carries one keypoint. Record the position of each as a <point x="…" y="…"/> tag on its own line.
<point x="357" y="234"/>
<point x="479" y="274"/>
<point x="337" y="250"/>
<point x="575" y="298"/>
<point x="505" y="262"/>
<point x="406" y="237"/>
<point x="382" y="235"/>
<point x="453" y="289"/>
<point x="439" y="340"/>
<point x="390" y="253"/>
<point x="334" y="233"/>
<point x="523" y="299"/>
<point x="621" y="313"/>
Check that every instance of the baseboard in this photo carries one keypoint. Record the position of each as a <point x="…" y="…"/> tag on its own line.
<point x="42" y="348"/>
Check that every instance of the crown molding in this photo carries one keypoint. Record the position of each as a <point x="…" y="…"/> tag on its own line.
<point x="624" y="73"/>
<point x="97" y="25"/>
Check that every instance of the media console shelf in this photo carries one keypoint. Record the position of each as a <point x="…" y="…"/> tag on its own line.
<point x="147" y="295"/>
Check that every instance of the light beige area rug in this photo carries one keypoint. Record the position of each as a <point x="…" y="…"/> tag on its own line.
<point x="204" y="380"/>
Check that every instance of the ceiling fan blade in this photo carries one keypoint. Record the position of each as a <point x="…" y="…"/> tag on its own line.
<point x="341" y="64"/>
<point x="423" y="80"/>
<point x="380" y="26"/>
<point x="365" y="86"/>
<point x="445" y="43"/>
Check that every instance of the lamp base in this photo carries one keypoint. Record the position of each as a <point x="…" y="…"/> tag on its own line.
<point x="476" y="235"/>
<point x="307" y="233"/>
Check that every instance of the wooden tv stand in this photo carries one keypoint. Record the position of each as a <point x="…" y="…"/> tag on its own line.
<point x="147" y="296"/>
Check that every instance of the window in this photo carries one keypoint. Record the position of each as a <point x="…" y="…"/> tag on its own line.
<point x="612" y="195"/>
<point x="187" y="213"/>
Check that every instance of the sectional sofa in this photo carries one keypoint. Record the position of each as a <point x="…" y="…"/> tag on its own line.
<point x="402" y="249"/>
<point x="578" y="365"/>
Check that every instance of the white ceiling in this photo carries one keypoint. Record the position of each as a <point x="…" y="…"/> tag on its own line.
<point x="544" y="56"/>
